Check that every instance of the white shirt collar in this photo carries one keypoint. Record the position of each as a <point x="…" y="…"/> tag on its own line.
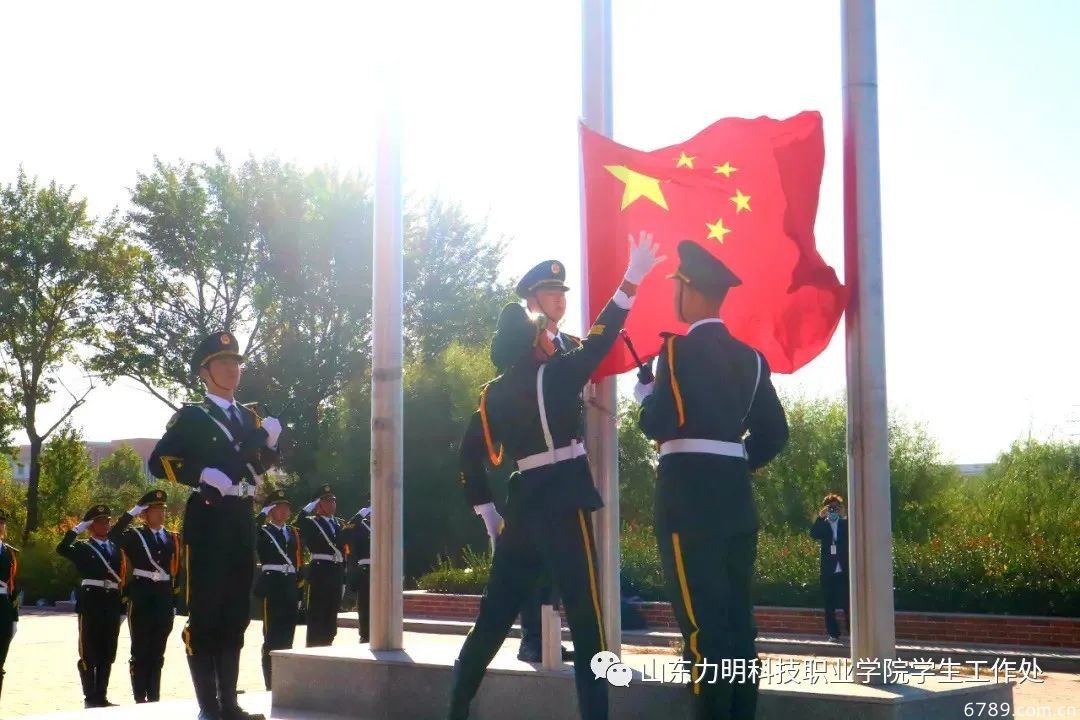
<point x="221" y="402"/>
<point x="706" y="321"/>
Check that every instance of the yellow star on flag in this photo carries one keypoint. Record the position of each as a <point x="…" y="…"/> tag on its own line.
<point x="724" y="169"/>
<point x="637" y="185"/>
<point x="742" y="202"/>
<point x="717" y="231"/>
<point x="686" y="160"/>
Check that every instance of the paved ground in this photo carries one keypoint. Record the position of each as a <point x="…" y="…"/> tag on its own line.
<point x="42" y="678"/>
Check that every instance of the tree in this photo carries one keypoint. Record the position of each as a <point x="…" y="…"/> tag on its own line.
<point x="60" y="278"/>
<point x="637" y="469"/>
<point x="67" y="477"/>
<point x="123" y="466"/>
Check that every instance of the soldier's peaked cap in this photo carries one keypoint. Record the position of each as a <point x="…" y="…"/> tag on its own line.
<point x="215" y="345"/>
<point x="703" y="271"/>
<point x="548" y="275"/>
<point x="323" y="491"/>
<point x="277" y="497"/>
<point x="95" y="512"/>
<point x="154" y="497"/>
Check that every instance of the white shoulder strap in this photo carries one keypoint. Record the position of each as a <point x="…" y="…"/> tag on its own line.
<point x="148" y="555"/>
<point x="108" y="567"/>
<point x="277" y="545"/>
<point x="318" y="525"/>
<point x="757" y="381"/>
<point x="543" y="411"/>
<point x="220" y="424"/>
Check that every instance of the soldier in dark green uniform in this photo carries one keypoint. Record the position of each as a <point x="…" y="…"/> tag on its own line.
<point x="532" y="414"/>
<point x="714" y="412"/>
<point x="543" y="288"/>
<point x="222" y="449"/>
<point x="321" y="533"/>
<point x="9" y="610"/>
<point x="101" y="566"/>
<point x="154" y="556"/>
<point x="356" y="536"/>
<point x="278" y="585"/>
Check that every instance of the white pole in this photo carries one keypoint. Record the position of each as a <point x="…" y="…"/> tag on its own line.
<point x="386" y="387"/>
<point x="873" y="632"/>
<point x="600" y="420"/>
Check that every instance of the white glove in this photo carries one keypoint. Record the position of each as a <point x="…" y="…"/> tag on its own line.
<point x="137" y="510"/>
<point x="81" y="527"/>
<point x="216" y="479"/>
<point x="365" y="513"/>
<point x="642" y="258"/>
<point x="266" y="510"/>
<point x="272" y="426"/>
<point x="643" y="391"/>
<point x="310" y="507"/>
<point x="493" y="521"/>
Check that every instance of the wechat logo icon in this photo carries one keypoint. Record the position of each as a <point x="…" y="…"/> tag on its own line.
<point x="607" y="665"/>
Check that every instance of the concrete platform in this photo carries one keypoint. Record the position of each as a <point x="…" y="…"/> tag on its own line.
<point x="414" y="684"/>
<point x="182" y="709"/>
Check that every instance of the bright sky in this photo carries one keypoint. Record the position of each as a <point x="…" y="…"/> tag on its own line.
<point x="979" y="148"/>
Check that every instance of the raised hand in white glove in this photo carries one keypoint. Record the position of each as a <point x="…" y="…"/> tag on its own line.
<point x="493" y="521"/>
<point x="137" y="510"/>
<point x="643" y="257"/>
<point x="310" y="507"/>
<point x="215" y="479"/>
<point x="81" y="527"/>
<point x="266" y="510"/>
<point x="642" y="391"/>
<point x="272" y="426"/>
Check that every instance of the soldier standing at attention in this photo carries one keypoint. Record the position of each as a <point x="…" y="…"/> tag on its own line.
<point x="715" y="413"/>
<point x="154" y="555"/>
<point x="9" y="611"/>
<point x="357" y="538"/>
<point x="101" y="566"/>
<point x="280" y="559"/>
<point x="222" y="449"/>
<point x="532" y="413"/>
<point x="321" y="534"/>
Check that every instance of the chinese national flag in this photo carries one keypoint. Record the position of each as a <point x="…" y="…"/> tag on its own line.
<point x="745" y="189"/>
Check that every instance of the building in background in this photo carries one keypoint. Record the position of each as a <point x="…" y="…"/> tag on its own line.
<point x="20" y="465"/>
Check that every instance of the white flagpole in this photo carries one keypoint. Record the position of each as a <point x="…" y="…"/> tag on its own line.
<point x="600" y="418"/>
<point x="386" y="385"/>
<point x="873" y="632"/>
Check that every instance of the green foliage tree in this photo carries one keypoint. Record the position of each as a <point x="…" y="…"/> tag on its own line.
<point x="61" y="278"/>
<point x="123" y="466"/>
<point x="637" y="469"/>
<point x="67" y="477"/>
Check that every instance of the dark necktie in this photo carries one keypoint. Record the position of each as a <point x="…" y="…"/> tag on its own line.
<point x="234" y="417"/>
<point x="559" y="346"/>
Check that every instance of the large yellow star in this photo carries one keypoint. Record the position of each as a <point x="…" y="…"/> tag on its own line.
<point x="724" y="169"/>
<point x="637" y="185"/>
<point x="717" y="231"/>
<point x="742" y="202"/>
<point x="686" y="160"/>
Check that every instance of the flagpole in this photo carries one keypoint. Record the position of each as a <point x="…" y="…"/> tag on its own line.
<point x="873" y="632"/>
<point x="601" y="399"/>
<point x="386" y="384"/>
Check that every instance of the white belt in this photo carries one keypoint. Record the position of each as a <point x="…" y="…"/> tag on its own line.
<point x="324" y="556"/>
<point x="287" y="569"/>
<point x="3" y="588"/>
<point x="107" y="584"/>
<point x="708" y="447"/>
<point x="571" y="451"/>
<point x="365" y="561"/>
<point x="152" y="575"/>
<point x="242" y="489"/>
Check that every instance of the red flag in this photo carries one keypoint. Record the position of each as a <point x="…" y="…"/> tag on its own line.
<point x="745" y="189"/>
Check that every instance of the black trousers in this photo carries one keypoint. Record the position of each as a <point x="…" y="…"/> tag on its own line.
<point x="835" y="588"/>
<point x="325" y="584"/>
<point x="150" y="621"/>
<point x="100" y="611"/>
<point x="531" y="624"/>
<point x="708" y="579"/>
<point x="361" y="586"/>
<point x="7" y="628"/>
<point x="279" y="611"/>
<point x="561" y="544"/>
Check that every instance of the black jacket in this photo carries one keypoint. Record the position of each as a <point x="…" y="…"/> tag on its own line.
<point x="822" y="532"/>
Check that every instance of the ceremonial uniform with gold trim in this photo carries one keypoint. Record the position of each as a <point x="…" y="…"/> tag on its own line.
<point x="281" y="564"/>
<point x="356" y="535"/>
<point x="9" y="609"/>
<point x="532" y="414"/>
<point x="101" y="567"/>
<point x="218" y="536"/>
<point x="154" y="559"/>
<point x="716" y="416"/>
<point x="325" y="573"/>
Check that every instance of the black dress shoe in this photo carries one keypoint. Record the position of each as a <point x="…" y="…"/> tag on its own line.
<point x="239" y="713"/>
<point x="529" y="654"/>
<point x="567" y="655"/>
